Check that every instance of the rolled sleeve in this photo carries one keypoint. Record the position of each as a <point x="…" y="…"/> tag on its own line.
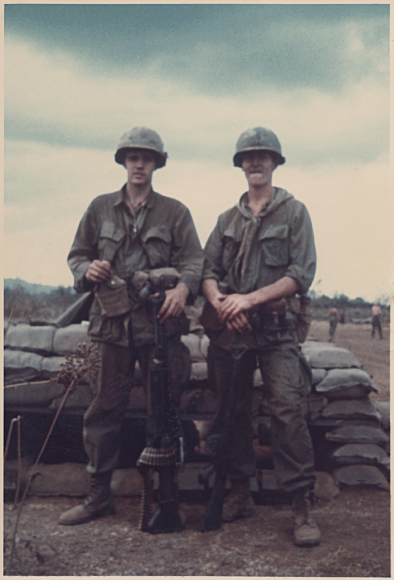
<point x="186" y="254"/>
<point x="83" y="251"/>
<point x="213" y="268"/>
<point x="302" y="265"/>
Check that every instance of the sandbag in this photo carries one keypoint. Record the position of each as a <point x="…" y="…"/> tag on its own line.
<point x="257" y="380"/>
<point x="33" y="394"/>
<point x="383" y="408"/>
<point x="358" y="434"/>
<point x="192" y="341"/>
<point x="319" y="355"/>
<point x="21" y="366"/>
<point x="199" y="371"/>
<point x="317" y="376"/>
<point x="66" y="340"/>
<point x="351" y="409"/>
<point x="137" y="400"/>
<point x="51" y="366"/>
<point x="204" y="344"/>
<point x="346" y="384"/>
<point x="37" y="339"/>
<point x="315" y="405"/>
<point x="360" y="476"/>
<point x="354" y="454"/>
<point x="79" y="399"/>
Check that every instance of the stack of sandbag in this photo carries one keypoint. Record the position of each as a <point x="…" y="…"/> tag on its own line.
<point x="33" y="357"/>
<point x="359" y="446"/>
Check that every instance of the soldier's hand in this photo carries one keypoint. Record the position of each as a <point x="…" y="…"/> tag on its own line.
<point x="239" y="324"/>
<point x="174" y="303"/>
<point x="232" y="305"/>
<point x="99" y="271"/>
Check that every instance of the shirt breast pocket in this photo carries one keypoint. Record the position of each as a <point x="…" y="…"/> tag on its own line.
<point x="157" y="246"/>
<point x="110" y="240"/>
<point x="231" y="243"/>
<point x="274" y="245"/>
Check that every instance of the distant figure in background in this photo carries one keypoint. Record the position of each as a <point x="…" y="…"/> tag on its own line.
<point x="342" y="316"/>
<point x="376" y="313"/>
<point x="333" y="320"/>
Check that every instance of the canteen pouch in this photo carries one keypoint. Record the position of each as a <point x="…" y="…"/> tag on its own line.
<point x="113" y="297"/>
<point x="302" y="310"/>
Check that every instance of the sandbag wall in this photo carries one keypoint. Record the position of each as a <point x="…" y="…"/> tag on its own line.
<point x="355" y="428"/>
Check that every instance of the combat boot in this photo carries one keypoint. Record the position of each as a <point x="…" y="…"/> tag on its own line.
<point x="306" y="532"/>
<point x="98" y="503"/>
<point x="239" y="502"/>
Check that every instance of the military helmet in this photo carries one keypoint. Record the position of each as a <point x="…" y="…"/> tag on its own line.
<point x="258" y="139"/>
<point x="141" y="138"/>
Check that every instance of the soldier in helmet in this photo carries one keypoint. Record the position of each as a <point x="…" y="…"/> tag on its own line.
<point x="260" y="262"/>
<point x="122" y="240"/>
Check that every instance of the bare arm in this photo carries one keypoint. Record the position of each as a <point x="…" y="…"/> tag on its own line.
<point x="233" y="304"/>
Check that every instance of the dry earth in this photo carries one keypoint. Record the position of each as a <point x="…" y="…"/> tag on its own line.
<point x="355" y="529"/>
<point x="355" y="525"/>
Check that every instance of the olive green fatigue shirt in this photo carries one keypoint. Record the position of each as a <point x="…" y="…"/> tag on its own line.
<point x="246" y="252"/>
<point x="161" y="235"/>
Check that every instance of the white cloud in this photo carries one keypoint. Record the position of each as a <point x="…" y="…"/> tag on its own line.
<point x="49" y="96"/>
<point x="351" y="210"/>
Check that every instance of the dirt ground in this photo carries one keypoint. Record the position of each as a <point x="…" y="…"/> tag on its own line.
<point x="355" y="525"/>
<point x="355" y="531"/>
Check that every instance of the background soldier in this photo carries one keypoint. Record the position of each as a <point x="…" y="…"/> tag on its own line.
<point x="376" y="325"/>
<point x="122" y="240"/>
<point x="333" y="317"/>
<point x="260" y="254"/>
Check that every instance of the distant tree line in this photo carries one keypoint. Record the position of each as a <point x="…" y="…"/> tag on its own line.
<point x="21" y="306"/>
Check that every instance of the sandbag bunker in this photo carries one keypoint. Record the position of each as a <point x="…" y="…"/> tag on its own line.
<point x="349" y="430"/>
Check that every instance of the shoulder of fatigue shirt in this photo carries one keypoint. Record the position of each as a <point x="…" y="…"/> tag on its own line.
<point x="187" y="254"/>
<point x="302" y="262"/>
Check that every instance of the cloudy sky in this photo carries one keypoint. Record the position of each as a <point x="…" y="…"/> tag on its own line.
<point x="78" y="76"/>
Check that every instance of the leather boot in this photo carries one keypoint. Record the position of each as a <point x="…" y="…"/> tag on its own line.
<point x="239" y="503"/>
<point x="98" y="503"/>
<point x="306" y="532"/>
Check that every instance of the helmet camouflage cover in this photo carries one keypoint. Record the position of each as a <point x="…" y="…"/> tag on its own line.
<point x="258" y="139"/>
<point x="141" y="138"/>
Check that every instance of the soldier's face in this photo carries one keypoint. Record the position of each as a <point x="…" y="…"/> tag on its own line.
<point x="258" y="167"/>
<point x="140" y="164"/>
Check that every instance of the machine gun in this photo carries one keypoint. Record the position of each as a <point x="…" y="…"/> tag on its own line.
<point x="167" y="427"/>
<point x="221" y="445"/>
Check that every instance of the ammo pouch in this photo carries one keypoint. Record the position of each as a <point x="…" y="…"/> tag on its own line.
<point x="302" y="311"/>
<point x="140" y="278"/>
<point x="113" y="297"/>
<point x="271" y="316"/>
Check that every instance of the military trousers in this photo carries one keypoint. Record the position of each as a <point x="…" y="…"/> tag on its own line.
<point x="103" y="420"/>
<point x="285" y="386"/>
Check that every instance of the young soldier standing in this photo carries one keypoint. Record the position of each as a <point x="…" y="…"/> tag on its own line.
<point x="259" y="256"/>
<point x="123" y="238"/>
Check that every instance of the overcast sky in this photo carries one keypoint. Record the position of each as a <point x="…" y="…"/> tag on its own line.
<point x="78" y="76"/>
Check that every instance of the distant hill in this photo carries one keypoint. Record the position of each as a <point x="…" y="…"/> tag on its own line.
<point x="11" y="283"/>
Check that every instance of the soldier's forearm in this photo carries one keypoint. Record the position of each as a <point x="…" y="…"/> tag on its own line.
<point x="210" y="290"/>
<point x="280" y="289"/>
